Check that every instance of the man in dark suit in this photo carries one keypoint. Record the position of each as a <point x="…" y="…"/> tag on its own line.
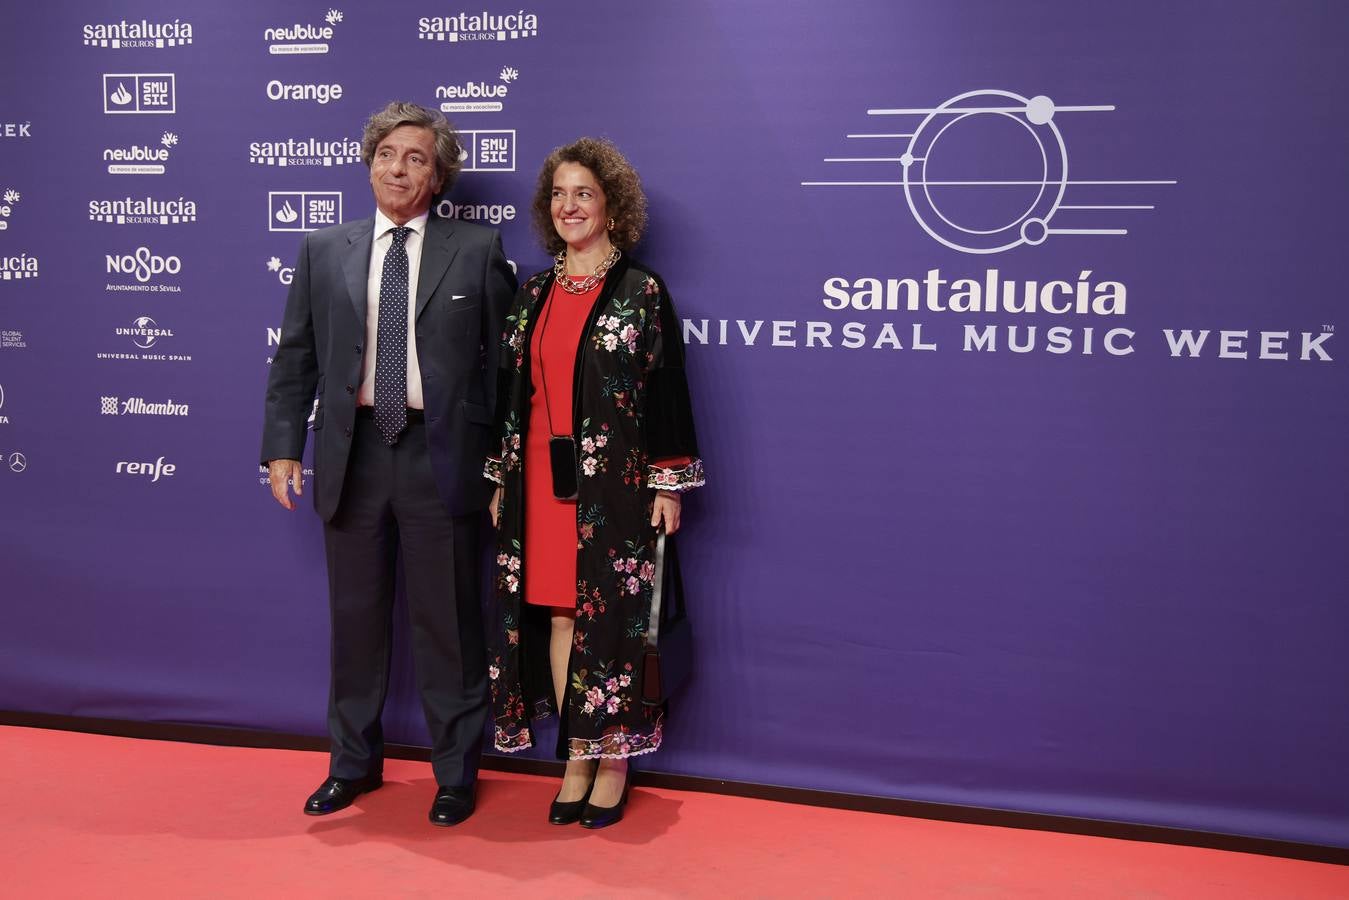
<point x="394" y="323"/>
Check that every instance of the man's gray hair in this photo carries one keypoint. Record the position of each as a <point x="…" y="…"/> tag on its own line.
<point x="398" y="114"/>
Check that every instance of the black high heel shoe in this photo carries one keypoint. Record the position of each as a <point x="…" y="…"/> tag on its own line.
<point x="604" y="816"/>
<point x="565" y="813"/>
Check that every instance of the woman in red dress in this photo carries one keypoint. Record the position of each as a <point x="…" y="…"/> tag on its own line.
<point x="594" y="368"/>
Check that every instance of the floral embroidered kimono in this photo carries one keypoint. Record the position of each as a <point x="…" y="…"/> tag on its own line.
<point x="630" y="406"/>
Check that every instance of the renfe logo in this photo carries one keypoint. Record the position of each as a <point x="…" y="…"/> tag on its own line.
<point x="131" y="94"/>
<point x="303" y="210"/>
<point x="153" y="469"/>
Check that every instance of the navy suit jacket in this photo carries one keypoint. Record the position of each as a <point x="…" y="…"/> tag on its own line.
<point x="464" y="286"/>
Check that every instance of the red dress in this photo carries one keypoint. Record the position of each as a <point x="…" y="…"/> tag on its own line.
<point x="550" y="523"/>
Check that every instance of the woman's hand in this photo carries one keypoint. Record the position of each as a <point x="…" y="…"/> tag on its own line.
<point x="494" y="507"/>
<point x="666" y="509"/>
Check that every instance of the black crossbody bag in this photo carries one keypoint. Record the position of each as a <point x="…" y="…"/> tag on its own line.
<point x="561" y="447"/>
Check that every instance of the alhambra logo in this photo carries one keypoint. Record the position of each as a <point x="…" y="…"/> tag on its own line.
<point x="477" y="96"/>
<point x="141" y="159"/>
<point x="143" y="211"/>
<point x="482" y="26"/>
<point x="293" y="152"/>
<point x="142" y="34"/>
<point x="301" y="39"/>
<point x="974" y="200"/>
<point x="8" y="200"/>
<point x="130" y="94"/>
<point x="138" y="406"/>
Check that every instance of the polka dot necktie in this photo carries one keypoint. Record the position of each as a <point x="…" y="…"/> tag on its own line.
<point x="391" y="341"/>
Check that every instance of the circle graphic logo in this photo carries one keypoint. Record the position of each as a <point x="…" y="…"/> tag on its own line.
<point x="986" y="171"/>
<point x="17" y="462"/>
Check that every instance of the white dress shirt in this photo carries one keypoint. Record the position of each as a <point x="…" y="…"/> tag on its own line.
<point x="383" y="237"/>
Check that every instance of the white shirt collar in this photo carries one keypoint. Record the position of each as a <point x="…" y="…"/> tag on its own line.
<point x="383" y="224"/>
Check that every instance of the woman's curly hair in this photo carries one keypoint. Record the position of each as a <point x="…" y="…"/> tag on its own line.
<point x="623" y="197"/>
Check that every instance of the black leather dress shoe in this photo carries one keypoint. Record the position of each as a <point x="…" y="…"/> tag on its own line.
<point x="452" y="805"/>
<point x="565" y="813"/>
<point x="337" y="793"/>
<point x="603" y="816"/>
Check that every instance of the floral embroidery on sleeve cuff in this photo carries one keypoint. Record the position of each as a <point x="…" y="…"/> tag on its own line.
<point x="492" y="470"/>
<point x="678" y="478"/>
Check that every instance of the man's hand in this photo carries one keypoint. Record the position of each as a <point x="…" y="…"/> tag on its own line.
<point x="666" y="508"/>
<point x="494" y="508"/>
<point x="283" y="472"/>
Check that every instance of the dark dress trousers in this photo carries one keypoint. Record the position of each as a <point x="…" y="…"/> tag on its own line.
<point x="420" y="499"/>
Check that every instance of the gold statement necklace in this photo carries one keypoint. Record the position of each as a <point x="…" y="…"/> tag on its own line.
<point x="588" y="283"/>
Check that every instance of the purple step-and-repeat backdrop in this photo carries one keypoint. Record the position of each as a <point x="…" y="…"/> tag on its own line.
<point x="1013" y="334"/>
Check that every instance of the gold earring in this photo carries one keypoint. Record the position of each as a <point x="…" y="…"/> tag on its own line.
<point x="611" y="224"/>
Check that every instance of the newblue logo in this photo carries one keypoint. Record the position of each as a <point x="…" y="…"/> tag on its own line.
<point x="140" y="159"/>
<point x="477" y="96"/>
<point x="293" y="152"/>
<point x="488" y="151"/>
<point x="8" y="200"/>
<point x="303" y="210"/>
<point x="144" y="34"/>
<point x="302" y="39"/>
<point x="483" y="26"/>
<point x="140" y="94"/>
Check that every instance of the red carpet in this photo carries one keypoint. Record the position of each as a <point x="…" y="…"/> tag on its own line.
<point x="89" y="816"/>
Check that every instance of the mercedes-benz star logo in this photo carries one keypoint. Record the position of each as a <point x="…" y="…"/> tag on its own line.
<point x="17" y="462"/>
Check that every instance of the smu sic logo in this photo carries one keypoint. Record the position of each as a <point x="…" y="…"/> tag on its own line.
<point x="136" y="94"/>
<point x="303" y="210"/>
<point x="488" y="150"/>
